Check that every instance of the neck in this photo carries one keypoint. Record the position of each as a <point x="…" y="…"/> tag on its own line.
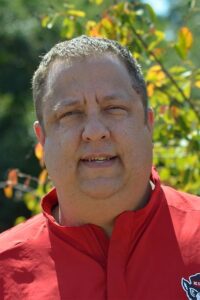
<point x="103" y="214"/>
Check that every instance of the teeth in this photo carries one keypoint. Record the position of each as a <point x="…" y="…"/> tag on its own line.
<point x="99" y="159"/>
<point x="102" y="158"/>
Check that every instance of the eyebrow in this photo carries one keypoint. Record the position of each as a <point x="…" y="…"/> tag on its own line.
<point x="111" y="97"/>
<point x="65" y="103"/>
<point x="75" y="102"/>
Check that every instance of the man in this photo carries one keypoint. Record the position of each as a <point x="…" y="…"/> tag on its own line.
<point x="109" y="230"/>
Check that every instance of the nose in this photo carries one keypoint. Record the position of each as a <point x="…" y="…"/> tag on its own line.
<point x="95" y="130"/>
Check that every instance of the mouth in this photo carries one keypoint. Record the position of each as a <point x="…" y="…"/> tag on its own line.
<point x="98" y="160"/>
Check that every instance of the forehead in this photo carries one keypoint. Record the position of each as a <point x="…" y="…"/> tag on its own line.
<point x="105" y="70"/>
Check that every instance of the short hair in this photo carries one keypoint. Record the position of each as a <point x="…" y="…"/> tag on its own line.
<point x="83" y="47"/>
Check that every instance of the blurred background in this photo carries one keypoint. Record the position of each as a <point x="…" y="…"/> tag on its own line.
<point x="163" y="35"/>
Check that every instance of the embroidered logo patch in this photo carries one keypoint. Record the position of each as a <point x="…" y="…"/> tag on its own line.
<point x="192" y="287"/>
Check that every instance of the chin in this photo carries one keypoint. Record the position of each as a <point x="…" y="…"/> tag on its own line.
<point x="100" y="189"/>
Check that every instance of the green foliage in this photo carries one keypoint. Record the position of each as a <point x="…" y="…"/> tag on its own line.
<point x="177" y="130"/>
<point x="171" y="73"/>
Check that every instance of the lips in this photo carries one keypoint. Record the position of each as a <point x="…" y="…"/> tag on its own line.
<point x="98" y="158"/>
<point x="93" y="160"/>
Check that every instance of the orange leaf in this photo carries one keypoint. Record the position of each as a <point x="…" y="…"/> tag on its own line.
<point x="8" y="191"/>
<point x="39" y="151"/>
<point x="174" y="111"/>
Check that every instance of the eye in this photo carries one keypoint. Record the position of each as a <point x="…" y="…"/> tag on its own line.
<point x="116" y="109"/>
<point x="70" y="113"/>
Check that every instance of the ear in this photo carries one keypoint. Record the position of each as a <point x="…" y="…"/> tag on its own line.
<point x="39" y="132"/>
<point x="185" y="284"/>
<point x="150" y="119"/>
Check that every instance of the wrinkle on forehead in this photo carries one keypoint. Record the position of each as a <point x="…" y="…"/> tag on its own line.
<point x="76" y="90"/>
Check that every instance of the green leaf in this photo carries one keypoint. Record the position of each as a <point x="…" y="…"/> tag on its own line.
<point x="68" y="28"/>
<point x="151" y="12"/>
<point x="76" y="13"/>
<point x="19" y="220"/>
<point x="159" y="37"/>
<point x="97" y="2"/>
<point x="45" y="21"/>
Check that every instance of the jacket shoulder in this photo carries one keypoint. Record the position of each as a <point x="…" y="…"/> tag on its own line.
<point x="22" y="233"/>
<point x="181" y="201"/>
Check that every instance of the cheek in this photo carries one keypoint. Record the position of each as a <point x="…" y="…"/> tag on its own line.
<point x="62" y="140"/>
<point x="60" y="149"/>
<point x="135" y="142"/>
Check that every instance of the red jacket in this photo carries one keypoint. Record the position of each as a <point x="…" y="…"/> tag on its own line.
<point x="151" y="255"/>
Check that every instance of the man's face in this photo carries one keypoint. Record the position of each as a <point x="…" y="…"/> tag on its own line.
<point x="96" y="142"/>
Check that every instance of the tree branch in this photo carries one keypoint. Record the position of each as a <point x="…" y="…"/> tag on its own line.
<point x="144" y="44"/>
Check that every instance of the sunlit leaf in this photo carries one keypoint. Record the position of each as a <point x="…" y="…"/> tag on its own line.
<point x="92" y="28"/>
<point x="186" y="37"/>
<point x="39" y="151"/>
<point x="156" y="75"/>
<point x="184" y="43"/>
<point x="150" y="89"/>
<point x="197" y="84"/>
<point x="45" y="20"/>
<point x="68" y="28"/>
<point x="8" y="191"/>
<point x="177" y="69"/>
<point x="97" y="2"/>
<point x="76" y="13"/>
<point x="106" y="22"/>
<point x="19" y="220"/>
<point x="48" y="21"/>
<point x="43" y="176"/>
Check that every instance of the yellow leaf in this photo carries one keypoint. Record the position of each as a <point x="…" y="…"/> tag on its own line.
<point x="76" y="13"/>
<point x="150" y="89"/>
<point x="8" y="191"/>
<point x="197" y="83"/>
<point x="156" y="75"/>
<point x="98" y="2"/>
<point x="39" y="151"/>
<point x="186" y="36"/>
<point x="92" y="29"/>
<point x="45" y="20"/>
<point x="106" y="23"/>
<point x="43" y="176"/>
<point x="184" y="43"/>
<point x="90" y="24"/>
